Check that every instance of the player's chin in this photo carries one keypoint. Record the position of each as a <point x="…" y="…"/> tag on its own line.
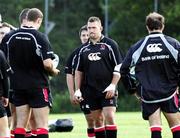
<point x="92" y="36"/>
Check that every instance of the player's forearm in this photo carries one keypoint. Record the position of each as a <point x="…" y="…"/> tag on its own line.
<point x="78" y="79"/>
<point x="70" y="84"/>
<point x="48" y="66"/>
<point x="6" y="86"/>
<point x="115" y="79"/>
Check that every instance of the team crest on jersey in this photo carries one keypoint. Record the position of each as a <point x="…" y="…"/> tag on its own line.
<point x="94" y="56"/>
<point x="154" y="47"/>
<point x="102" y="47"/>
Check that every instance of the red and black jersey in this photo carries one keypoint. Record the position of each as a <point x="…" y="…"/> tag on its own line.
<point x="26" y="48"/>
<point x="156" y="62"/>
<point x="98" y="62"/>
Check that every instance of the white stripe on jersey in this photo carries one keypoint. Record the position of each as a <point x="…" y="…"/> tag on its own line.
<point x="160" y="100"/>
<point x="137" y="53"/>
<point x="37" y="45"/>
<point x="110" y="48"/>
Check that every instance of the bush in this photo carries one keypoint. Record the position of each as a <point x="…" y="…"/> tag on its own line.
<point x="128" y="103"/>
<point x="61" y="103"/>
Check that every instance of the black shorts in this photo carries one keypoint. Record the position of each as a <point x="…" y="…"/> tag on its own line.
<point x="169" y="106"/>
<point x="8" y="110"/>
<point x="35" y="98"/>
<point x="98" y="102"/>
<point x="11" y="96"/>
<point x="85" y="107"/>
<point x="2" y="110"/>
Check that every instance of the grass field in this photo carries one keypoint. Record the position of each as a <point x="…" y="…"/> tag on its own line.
<point x="130" y="125"/>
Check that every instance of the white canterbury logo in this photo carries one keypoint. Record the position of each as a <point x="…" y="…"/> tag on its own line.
<point x="94" y="56"/>
<point x="154" y="48"/>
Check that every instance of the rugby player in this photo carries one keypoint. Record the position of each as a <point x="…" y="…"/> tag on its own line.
<point x="155" y="59"/>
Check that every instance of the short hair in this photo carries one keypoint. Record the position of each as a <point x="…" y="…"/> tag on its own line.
<point x="83" y="28"/>
<point x="34" y="14"/>
<point x="94" y="19"/>
<point x="154" y="21"/>
<point x="23" y="14"/>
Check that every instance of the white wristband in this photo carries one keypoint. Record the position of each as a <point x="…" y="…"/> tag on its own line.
<point x="55" y="61"/>
<point x="78" y="93"/>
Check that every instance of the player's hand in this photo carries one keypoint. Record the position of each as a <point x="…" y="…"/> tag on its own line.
<point x="137" y="96"/>
<point x="78" y="96"/>
<point x="54" y="72"/>
<point x="110" y="91"/>
<point x="73" y="100"/>
<point x="177" y="90"/>
<point x="4" y="101"/>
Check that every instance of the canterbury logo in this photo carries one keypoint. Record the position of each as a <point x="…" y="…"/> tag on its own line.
<point x="154" y="48"/>
<point x="94" y="56"/>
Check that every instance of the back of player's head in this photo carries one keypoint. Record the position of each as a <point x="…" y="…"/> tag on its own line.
<point x="155" y="21"/>
<point x="34" y="14"/>
<point x="94" y="19"/>
<point x="83" y="28"/>
<point x="23" y="15"/>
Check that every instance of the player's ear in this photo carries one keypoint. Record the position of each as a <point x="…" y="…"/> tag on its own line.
<point x="148" y="29"/>
<point x="39" y="20"/>
<point x="101" y="28"/>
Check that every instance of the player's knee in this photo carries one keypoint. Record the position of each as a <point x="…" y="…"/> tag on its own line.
<point x="109" y="119"/>
<point x="90" y="123"/>
<point x="99" y="122"/>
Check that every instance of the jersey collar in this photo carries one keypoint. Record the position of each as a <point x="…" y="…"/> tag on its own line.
<point x="102" y="36"/>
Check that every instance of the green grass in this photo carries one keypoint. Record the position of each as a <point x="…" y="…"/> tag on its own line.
<point x="130" y="125"/>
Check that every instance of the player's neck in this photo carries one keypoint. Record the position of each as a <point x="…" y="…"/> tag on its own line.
<point x="94" y="41"/>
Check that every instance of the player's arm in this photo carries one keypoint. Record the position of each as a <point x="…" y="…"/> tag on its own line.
<point x="78" y="82"/>
<point x="117" y="58"/>
<point x="5" y="70"/>
<point x="110" y="90"/>
<point x="48" y="66"/>
<point x="78" y="79"/>
<point x="127" y="80"/>
<point x="47" y="55"/>
<point x="71" y="88"/>
<point x="69" y="70"/>
<point x="79" y="75"/>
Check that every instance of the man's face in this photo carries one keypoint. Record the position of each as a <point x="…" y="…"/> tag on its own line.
<point x="94" y="30"/>
<point x="84" y="36"/>
<point x="3" y="32"/>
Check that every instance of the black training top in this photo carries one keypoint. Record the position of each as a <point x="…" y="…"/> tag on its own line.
<point x="156" y="60"/>
<point x="26" y="48"/>
<point x="5" y="69"/>
<point x="98" y="62"/>
<point x="72" y="62"/>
